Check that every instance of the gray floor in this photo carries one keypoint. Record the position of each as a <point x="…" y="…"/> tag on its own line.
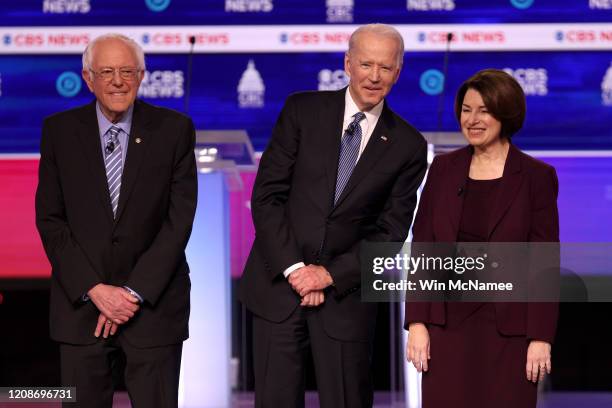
<point x="383" y="400"/>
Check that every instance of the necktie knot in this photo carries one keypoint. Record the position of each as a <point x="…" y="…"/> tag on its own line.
<point x="358" y="117"/>
<point x="113" y="140"/>
<point x="114" y="132"/>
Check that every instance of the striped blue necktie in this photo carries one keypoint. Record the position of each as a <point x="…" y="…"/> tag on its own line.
<point x="114" y="167"/>
<point x="349" y="151"/>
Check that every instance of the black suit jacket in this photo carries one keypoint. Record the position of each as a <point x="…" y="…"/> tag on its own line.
<point x="143" y="248"/>
<point x="525" y="211"/>
<point x="295" y="219"/>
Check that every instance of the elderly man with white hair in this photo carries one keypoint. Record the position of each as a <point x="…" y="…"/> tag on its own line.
<point x="341" y="169"/>
<point x="115" y="205"/>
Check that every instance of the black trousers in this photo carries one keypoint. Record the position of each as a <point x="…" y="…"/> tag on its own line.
<point x="342" y="369"/>
<point x="151" y="374"/>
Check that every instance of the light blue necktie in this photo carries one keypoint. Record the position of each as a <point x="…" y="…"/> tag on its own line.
<point x="114" y="167"/>
<point x="349" y="151"/>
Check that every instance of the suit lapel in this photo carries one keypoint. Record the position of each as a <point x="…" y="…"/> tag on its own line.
<point x="510" y="183"/>
<point x="332" y="131"/>
<point x="136" y="152"/>
<point x="89" y="137"/>
<point x="380" y="140"/>
<point x="455" y="189"/>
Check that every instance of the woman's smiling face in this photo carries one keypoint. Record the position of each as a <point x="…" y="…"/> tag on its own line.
<point x="478" y="126"/>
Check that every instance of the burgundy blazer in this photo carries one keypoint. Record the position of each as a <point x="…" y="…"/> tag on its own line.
<point x="525" y="211"/>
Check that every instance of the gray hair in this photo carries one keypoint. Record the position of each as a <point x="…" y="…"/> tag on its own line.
<point x="384" y="30"/>
<point x="133" y="45"/>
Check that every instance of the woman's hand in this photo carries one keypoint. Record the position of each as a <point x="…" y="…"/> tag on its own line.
<point x="538" y="360"/>
<point x="417" y="346"/>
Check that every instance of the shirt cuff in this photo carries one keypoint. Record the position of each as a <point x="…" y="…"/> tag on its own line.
<point x="293" y="268"/>
<point x="134" y="293"/>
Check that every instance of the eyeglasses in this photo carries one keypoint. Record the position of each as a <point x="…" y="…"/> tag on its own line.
<point x="109" y="73"/>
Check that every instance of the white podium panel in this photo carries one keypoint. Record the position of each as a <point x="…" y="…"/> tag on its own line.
<point x="205" y="367"/>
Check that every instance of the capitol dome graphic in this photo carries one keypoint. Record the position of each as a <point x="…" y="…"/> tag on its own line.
<point x="251" y="88"/>
<point x="251" y="80"/>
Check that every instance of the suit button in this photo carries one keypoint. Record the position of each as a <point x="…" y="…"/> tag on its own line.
<point x="115" y="241"/>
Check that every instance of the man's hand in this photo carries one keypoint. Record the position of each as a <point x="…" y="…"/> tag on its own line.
<point x="105" y="327"/>
<point x="313" y="299"/>
<point x="310" y="278"/>
<point x="116" y="303"/>
<point x="538" y="360"/>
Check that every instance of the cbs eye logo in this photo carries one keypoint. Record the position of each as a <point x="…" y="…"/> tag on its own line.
<point x="432" y="82"/>
<point x="522" y="4"/>
<point x="157" y="5"/>
<point x="68" y="84"/>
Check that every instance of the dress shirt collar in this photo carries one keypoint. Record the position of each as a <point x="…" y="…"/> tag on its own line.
<point x="124" y="124"/>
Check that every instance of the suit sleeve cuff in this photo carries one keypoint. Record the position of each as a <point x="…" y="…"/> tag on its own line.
<point x="134" y="293"/>
<point x="292" y="268"/>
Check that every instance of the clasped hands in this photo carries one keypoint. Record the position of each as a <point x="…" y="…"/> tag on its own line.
<point x="309" y="282"/>
<point x="116" y="306"/>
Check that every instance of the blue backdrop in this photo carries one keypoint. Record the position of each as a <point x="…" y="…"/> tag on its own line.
<point x="248" y="12"/>
<point x="566" y="97"/>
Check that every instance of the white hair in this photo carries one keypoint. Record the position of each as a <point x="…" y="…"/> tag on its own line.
<point x="384" y="30"/>
<point x="133" y="45"/>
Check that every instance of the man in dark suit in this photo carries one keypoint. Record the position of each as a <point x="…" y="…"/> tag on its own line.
<point x="114" y="208"/>
<point x="341" y="168"/>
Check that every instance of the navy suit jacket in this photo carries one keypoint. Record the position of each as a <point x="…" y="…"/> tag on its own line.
<point x="295" y="219"/>
<point x="143" y="247"/>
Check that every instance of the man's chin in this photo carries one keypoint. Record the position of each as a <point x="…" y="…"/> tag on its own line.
<point x="371" y="102"/>
<point x="115" y="111"/>
<point x="118" y="108"/>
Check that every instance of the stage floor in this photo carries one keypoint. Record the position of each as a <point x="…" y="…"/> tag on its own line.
<point x="383" y="400"/>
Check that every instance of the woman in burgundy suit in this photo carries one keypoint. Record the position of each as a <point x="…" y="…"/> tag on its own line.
<point x="485" y="354"/>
